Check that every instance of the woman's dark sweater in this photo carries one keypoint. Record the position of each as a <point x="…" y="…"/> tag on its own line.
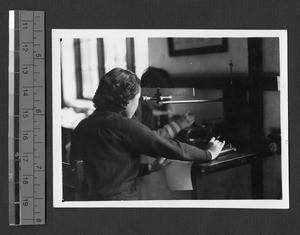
<point x="110" y="145"/>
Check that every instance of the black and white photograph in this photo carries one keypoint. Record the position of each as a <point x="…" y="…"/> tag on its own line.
<point x="170" y="118"/>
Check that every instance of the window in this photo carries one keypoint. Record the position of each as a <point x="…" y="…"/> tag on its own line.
<point x="89" y="67"/>
<point x="85" y="60"/>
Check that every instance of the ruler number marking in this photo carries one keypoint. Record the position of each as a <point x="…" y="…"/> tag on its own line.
<point x="25" y="24"/>
<point x="31" y="174"/>
<point x="26" y="175"/>
<point x="25" y="47"/>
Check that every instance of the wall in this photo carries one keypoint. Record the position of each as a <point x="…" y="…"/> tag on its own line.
<point x="271" y="111"/>
<point x="272" y="177"/>
<point x="206" y="64"/>
<point x="213" y="64"/>
<point x="271" y="98"/>
<point x="216" y="64"/>
<point x="271" y="56"/>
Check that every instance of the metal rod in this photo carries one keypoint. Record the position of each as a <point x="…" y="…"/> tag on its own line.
<point x="191" y="101"/>
<point x="158" y="99"/>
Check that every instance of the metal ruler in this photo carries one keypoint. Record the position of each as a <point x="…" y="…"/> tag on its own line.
<point x="26" y="118"/>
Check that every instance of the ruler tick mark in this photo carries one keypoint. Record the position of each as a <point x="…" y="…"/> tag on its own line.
<point x="30" y="32"/>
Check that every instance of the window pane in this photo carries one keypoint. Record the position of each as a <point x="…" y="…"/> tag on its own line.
<point x="114" y="53"/>
<point x="89" y="67"/>
<point x="68" y="71"/>
<point x="141" y="55"/>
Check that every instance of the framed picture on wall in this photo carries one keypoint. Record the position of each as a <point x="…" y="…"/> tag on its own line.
<point x="196" y="46"/>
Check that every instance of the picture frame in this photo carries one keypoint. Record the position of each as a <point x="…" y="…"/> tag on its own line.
<point x="196" y="46"/>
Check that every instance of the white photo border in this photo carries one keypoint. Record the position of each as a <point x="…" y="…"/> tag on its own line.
<point x="57" y="34"/>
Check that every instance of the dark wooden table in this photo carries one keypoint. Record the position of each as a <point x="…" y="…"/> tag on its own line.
<point x="228" y="177"/>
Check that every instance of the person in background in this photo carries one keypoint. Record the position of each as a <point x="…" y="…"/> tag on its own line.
<point x="160" y="78"/>
<point x="110" y="142"/>
<point x="156" y="117"/>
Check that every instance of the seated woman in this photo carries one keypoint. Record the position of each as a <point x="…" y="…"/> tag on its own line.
<point x="110" y="142"/>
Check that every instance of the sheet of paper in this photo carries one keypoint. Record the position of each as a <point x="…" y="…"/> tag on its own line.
<point x="179" y="175"/>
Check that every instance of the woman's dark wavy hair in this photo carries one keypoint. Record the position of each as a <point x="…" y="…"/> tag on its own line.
<point x="116" y="88"/>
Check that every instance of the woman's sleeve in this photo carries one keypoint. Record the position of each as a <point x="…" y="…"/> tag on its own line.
<point x="140" y="139"/>
<point x="170" y="130"/>
<point x="144" y="169"/>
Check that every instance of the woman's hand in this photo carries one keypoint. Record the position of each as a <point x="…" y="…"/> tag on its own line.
<point x="158" y="164"/>
<point x="215" y="146"/>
